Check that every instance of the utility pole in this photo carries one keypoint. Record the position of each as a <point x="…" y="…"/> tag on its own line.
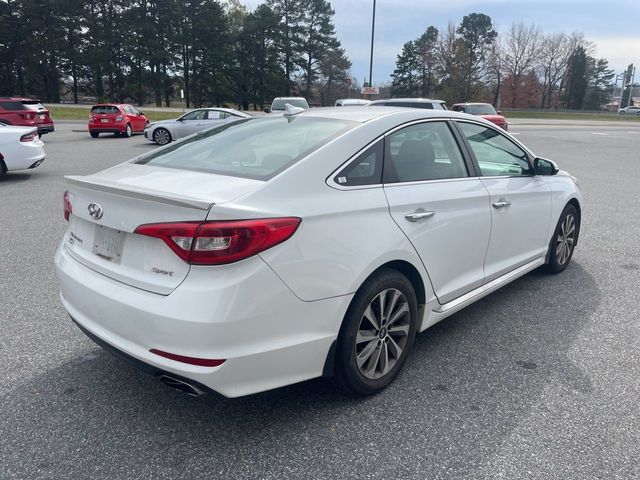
<point x="373" y="29"/>
<point x="613" y="93"/>
<point x="631" y="79"/>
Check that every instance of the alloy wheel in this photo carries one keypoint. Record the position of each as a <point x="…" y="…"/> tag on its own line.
<point x="161" y="136"/>
<point x="566" y="239"/>
<point x="382" y="334"/>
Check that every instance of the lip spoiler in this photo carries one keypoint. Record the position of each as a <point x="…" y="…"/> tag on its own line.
<point x="141" y="193"/>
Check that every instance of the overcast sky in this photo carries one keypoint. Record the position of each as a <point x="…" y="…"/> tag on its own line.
<point x="614" y="25"/>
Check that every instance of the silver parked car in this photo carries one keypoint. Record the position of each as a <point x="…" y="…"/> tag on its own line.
<point x="165" y="131"/>
<point x="631" y="110"/>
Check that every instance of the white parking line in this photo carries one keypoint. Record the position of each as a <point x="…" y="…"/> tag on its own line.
<point x="599" y="133"/>
<point x="514" y="133"/>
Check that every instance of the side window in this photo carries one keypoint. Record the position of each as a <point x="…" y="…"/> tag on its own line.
<point x="195" y="115"/>
<point x="427" y="151"/>
<point x="128" y="109"/>
<point x="496" y="154"/>
<point x="365" y="170"/>
<point x="214" y="115"/>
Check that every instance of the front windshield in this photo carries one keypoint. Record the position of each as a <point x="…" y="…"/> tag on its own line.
<point x="481" y="110"/>
<point x="280" y="104"/>
<point x="250" y="148"/>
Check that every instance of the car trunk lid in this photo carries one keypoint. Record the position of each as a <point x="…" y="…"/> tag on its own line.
<point x="106" y="209"/>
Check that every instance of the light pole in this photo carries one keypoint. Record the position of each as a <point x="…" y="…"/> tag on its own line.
<point x="613" y="94"/>
<point x="373" y="29"/>
<point x="631" y="80"/>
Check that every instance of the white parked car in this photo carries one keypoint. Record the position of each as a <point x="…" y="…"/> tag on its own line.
<point x="279" y="104"/>
<point x="20" y="148"/>
<point x="166" y="131"/>
<point x="285" y="248"/>
<point x="351" y="102"/>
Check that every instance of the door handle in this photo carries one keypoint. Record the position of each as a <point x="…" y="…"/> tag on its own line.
<point x="501" y="203"/>
<point x="418" y="215"/>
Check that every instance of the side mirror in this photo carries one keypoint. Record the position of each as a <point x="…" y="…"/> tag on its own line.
<point x="499" y="112"/>
<point x="140" y="113"/>
<point x="267" y="110"/>
<point x="542" y="166"/>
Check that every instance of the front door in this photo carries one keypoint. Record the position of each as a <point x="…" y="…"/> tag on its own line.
<point x="192" y="122"/>
<point x="520" y="201"/>
<point x="443" y="211"/>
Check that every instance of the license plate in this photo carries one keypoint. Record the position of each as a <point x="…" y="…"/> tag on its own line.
<point x="105" y="120"/>
<point x="107" y="243"/>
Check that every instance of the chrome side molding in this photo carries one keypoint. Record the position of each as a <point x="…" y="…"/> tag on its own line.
<point x="491" y="286"/>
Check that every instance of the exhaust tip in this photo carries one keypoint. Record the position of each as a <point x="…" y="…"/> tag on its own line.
<point x="181" y="386"/>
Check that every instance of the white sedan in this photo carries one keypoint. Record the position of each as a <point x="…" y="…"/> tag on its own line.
<point x="286" y="248"/>
<point x="166" y="131"/>
<point x="20" y="148"/>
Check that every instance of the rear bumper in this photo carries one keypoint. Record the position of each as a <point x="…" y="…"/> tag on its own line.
<point x="107" y="128"/>
<point x="241" y="313"/>
<point x="30" y="155"/>
<point x="45" y="128"/>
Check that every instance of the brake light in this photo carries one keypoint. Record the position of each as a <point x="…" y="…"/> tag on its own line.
<point x="219" y="243"/>
<point x="29" y="116"/>
<point x="119" y="118"/>
<point x="29" y="137"/>
<point x="67" y="206"/>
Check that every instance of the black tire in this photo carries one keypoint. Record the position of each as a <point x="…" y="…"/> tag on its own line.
<point x="127" y="131"/>
<point x="563" y="242"/>
<point x="94" y="134"/>
<point x="162" y="136"/>
<point x="348" y="375"/>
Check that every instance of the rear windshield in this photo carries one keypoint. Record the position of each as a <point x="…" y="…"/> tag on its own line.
<point x="104" y="109"/>
<point x="480" y="110"/>
<point x="294" y="102"/>
<point x="8" y="105"/>
<point x="33" y="104"/>
<point x="257" y="148"/>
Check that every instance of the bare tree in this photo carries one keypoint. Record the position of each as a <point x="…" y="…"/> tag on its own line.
<point x="521" y="50"/>
<point x="554" y="54"/>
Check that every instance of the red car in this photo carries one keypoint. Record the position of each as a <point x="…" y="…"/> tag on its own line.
<point x="25" y="112"/>
<point x="118" y="118"/>
<point x="485" y="110"/>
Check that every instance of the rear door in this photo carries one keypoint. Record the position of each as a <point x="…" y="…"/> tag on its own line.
<point x="439" y="205"/>
<point x="520" y="202"/>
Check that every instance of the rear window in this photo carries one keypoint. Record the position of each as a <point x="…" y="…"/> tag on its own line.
<point x="295" y="102"/>
<point x="33" y="105"/>
<point x="12" y="105"/>
<point x="104" y="109"/>
<point x="481" y="110"/>
<point x="250" y="148"/>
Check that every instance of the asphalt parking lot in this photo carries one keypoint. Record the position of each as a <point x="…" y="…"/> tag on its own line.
<point x="538" y="380"/>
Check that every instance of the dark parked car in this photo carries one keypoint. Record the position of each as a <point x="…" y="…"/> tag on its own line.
<point x="25" y="112"/>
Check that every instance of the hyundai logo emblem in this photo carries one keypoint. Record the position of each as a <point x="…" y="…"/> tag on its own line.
<point x="95" y="211"/>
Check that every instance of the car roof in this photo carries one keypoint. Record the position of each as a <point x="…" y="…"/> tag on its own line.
<point x="366" y="113"/>
<point x="472" y="103"/>
<point x="19" y="99"/>
<point x="289" y="98"/>
<point x="409" y="99"/>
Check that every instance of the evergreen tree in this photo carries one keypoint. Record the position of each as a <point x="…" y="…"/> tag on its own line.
<point x="598" y="84"/>
<point x="406" y="74"/>
<point x="577" y="79"/>
<point x="426" y="50"/>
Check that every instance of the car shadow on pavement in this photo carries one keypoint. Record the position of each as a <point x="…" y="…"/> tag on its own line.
<point x="11" y="177"/>
<point x="469" y="382"/>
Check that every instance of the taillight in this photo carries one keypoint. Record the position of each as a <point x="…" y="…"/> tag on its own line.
<point x="67" y="206"/>
<point x="119" y="118"/>
<point x="29" y="137"/>
<point x="29" y="116"/>
<point x="219" y="243"/>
